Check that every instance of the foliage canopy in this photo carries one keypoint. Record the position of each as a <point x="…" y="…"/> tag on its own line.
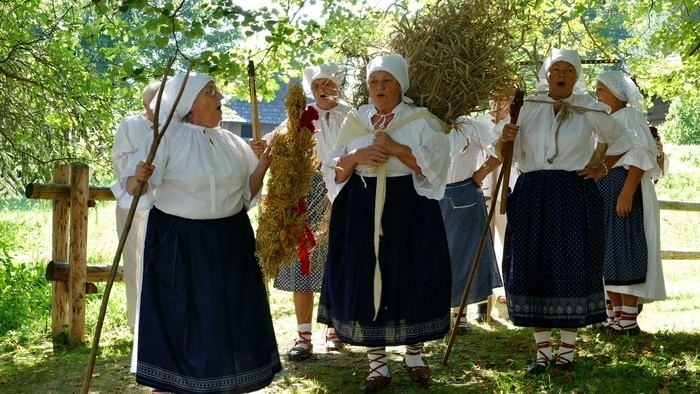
<point x="69" y="70"/>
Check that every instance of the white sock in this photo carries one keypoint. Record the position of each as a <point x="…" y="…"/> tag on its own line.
<point x="413" y="355"/>
<point x="568" y="344"/>
<point x="378" y="359"/>
<point x="304" y="331"/>
<point x="543" y="341"/>
<point x="628" y="318"/>
<point x="460" y="321"/>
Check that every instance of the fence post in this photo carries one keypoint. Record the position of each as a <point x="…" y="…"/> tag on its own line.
<point x="77" y="264"/>
<point x="59" y="252"/>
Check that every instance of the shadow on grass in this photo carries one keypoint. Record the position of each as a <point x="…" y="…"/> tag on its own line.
<point x="486" y="361"/>
<point x="483" y="361"/>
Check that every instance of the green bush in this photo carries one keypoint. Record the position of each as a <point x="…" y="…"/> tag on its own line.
<point x="682" y="125"/>
<point x="25" y="298"/>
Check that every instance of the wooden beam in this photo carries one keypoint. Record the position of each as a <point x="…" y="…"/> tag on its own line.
<point x="680" y="206"/>
<point x="680" y="255"/>
<point x="58" y="271"/>
<point x="56" y="191"/>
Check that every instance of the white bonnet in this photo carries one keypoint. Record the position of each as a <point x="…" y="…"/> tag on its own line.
<point x="556" y="55"/>
<point x="195" y="83"/>
<point x="324" y="71"/>
<point x="395" y="65"/>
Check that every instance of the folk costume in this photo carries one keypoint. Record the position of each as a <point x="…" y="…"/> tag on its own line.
<point x="464" y="213"/>
<point x="387" y="273"/>
<point x="128" y="137"/>
<point x="291" y="277"/>
<point x="632" y="252"/>
<point x="554" y="245"/>
<point x="205" y="323"/>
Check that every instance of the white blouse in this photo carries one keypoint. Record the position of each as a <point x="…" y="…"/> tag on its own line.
<point x="536" y="142"/>
<point x="200" y="173"/>
<point x="127" y="139"/>
<point x="470" y="146"/>
<point x="643" y="155"/>
<point x="429" y="145"/>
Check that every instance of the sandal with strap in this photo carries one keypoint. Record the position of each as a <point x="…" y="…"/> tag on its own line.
<point x="419" y="374"/>
<point x="301" y="353"/>
<point x="627" y="329"/>
<point x="333" y="343"/>
<point x="542" y="362"/>
<point x="378" y="381"/>
<point x="560" y="362"/>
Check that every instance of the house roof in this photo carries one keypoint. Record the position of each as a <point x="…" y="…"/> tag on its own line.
<point x="271" y="112"/>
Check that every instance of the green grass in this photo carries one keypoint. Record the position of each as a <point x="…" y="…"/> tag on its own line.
<point x="491" y="359"/>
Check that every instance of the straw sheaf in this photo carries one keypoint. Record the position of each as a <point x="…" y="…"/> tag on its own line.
<point x="457" y="54"/>
<point x="289" y="180"/>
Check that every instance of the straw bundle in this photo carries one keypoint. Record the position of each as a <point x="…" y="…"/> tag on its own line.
<point x="457" y="54"/>
<point x="283" y="221"/>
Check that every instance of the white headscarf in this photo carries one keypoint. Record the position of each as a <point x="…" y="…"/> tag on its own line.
<point x="395" y="65"/>
<point x="195" y="83"/>
<point x="325" y="71"/>
<point x="623" y="87"/>
<point x="556" y="55"/>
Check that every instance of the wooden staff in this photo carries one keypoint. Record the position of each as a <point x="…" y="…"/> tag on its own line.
<point x="514" y="112"/>
<point x="508" y="147"/>
<point x="129" y="219"/>
<point x="255" y="121"/>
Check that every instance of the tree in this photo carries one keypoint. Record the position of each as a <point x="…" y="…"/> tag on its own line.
<point x="69" y="70"/>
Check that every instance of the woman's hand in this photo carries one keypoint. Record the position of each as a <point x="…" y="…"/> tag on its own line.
<point x="624" y="204"/>
<point x="144" y="171"/>
<point x="385" y="142"/>
<point x="594" y="173"/>
<point x="372" y="155"/>
<point x="510" y="131"/>
<point x="258" y="146"/>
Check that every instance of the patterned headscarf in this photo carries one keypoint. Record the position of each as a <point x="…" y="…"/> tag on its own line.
<point x="556" y="55"/>
<point x="395" y="65"/>
<point x="623" y="87"/>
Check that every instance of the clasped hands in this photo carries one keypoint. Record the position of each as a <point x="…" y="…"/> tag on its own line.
<point x="379" y="152"/>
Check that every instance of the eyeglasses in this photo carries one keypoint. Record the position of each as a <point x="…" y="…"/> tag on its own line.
<point x="211" y="92"/>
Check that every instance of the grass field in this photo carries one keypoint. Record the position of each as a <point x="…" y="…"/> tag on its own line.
<point x="491" y="359"/>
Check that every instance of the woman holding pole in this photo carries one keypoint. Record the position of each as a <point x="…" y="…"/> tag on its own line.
<point x="555" y="233"/>
<point x="205" y="323"/>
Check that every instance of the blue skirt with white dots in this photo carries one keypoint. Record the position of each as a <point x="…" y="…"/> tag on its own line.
<point x="553" y="252"/>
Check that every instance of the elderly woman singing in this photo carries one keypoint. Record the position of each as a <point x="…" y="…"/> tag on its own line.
<point x="204" y="319"/>
<point x="555" y="235"/>
<point x="387" y="277"/>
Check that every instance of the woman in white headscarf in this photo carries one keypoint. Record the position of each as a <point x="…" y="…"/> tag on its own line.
<point x="555" y="236"/>
<point x="324" y="82"/>
<point x="387" y="278"/>
<point x="633" y="271"/>
<point x="204" y="319"/>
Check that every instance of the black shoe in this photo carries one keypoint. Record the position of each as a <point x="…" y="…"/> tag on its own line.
<point x="298" y="353"/>
<point x="537" y="368"/>
<point x="564" y="367"/>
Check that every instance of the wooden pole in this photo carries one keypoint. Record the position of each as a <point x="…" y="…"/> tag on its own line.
<point x="130" y="218"/>
<point x="59" y="251"/>
<point x="77" y="265"/>
<point x="515" y="106"/>
<point x="255" y="121"/>
<point x="472" y="271"/>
